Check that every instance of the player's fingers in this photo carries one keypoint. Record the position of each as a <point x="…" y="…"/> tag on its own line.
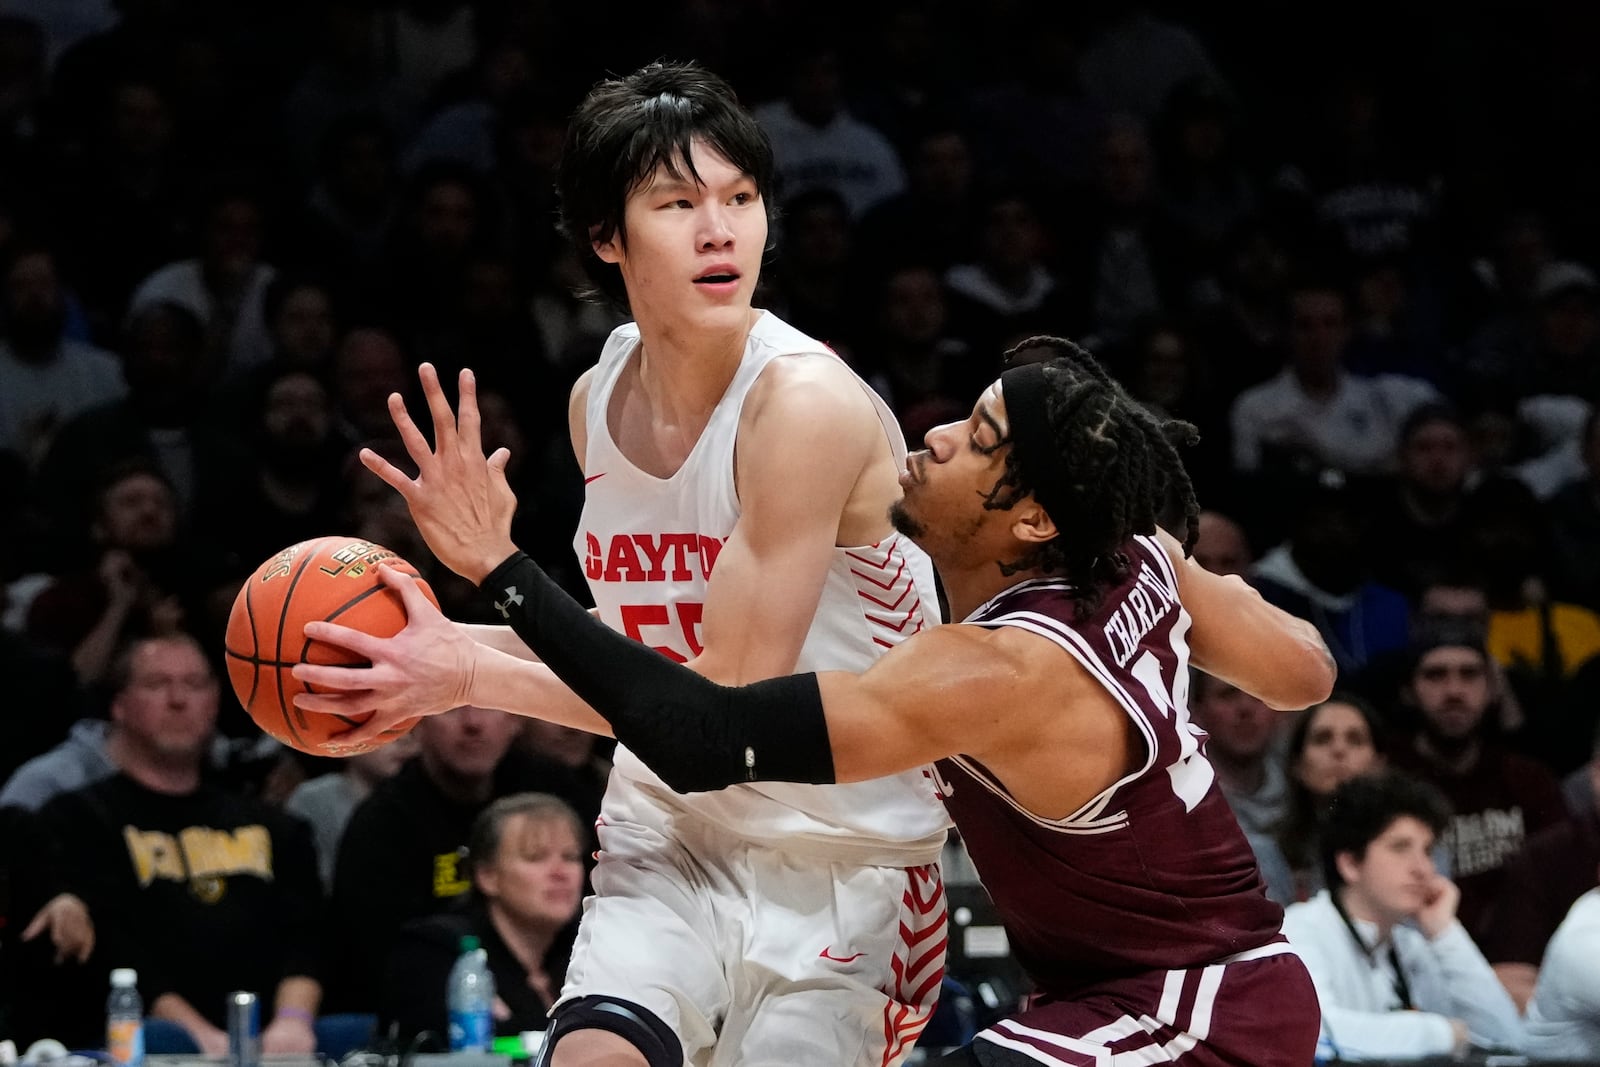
<point x="40" y="922"/>
<point x="444" y="420"/>
<point x="410" y="436"/>
<point x="352" y="684"/>
<point x="357" y="738"/>
<point x="85" y="947"/>
<point x="498" y="461"/>
<point x="410" y="591"/>
<point x="387" y="472"/>
<point x="362" y="644"/>
<point x="351" y="703"/>
<point x="469" y="422"/>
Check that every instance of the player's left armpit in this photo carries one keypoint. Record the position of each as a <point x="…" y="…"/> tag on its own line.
<point x="697" y="735"/>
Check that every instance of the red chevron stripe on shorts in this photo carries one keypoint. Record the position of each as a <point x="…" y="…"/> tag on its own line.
<point x="918" y="962"/>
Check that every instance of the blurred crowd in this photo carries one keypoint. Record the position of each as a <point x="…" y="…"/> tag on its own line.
<point x="1361" y="259"/>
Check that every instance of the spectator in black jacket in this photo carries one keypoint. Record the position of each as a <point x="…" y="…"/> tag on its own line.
<point x="203" y="891"/>
<point x="526" y="862"/>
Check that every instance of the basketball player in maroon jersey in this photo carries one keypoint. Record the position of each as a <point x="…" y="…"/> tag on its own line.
<point x="1056" y="719"/>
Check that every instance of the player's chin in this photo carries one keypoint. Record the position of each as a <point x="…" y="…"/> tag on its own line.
<point x="727" y="310"/>
<point x="901" y="519"/>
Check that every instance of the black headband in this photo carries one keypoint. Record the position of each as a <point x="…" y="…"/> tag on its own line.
<point x="1025" y="392"/>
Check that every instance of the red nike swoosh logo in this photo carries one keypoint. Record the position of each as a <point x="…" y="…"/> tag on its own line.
<point x="594" y="477"/>
<point x="824" y="955"/>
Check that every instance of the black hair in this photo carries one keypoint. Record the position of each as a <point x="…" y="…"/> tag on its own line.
<point x="628" y="127"/>
<point x="1367" y="805"/>
<point x="1125" y="476"/>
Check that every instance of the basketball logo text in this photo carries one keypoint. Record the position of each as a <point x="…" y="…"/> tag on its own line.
<point x="355" y="558"/>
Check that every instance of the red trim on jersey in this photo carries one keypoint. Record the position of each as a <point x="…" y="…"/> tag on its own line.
<point x="864" y="595"/>
<point x="902" y="622"/>
<point x="905" y="619"/>
<point x="889" y="553"/>
<point x="891" y="583"/>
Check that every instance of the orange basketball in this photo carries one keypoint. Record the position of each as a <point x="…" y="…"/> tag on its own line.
<point x="331" y="578"/>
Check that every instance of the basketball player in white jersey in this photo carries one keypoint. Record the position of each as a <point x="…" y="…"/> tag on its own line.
<point x="738" y="478"/>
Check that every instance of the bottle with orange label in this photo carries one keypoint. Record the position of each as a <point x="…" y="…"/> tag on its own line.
<point x="125" y="1019"/>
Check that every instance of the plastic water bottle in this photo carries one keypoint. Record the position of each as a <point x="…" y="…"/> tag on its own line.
<point x="470" y="997"/>
<point x="125" y="1019"/>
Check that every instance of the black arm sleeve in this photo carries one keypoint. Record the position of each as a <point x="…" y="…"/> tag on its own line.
<point x="697" y="735"/>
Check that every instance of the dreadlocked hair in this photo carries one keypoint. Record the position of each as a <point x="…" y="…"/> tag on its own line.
<point x="1126" y="475"/>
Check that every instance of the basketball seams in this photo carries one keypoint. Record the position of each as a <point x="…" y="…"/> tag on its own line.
<point x="277" y="648"/>
<point x="330" y="617"/>
<point x="255" y="642"/>
<point x="279" y="664"/>
<point x="346" y="606"/>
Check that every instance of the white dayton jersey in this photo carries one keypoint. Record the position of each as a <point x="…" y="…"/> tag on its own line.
<point x="648" y="547"/>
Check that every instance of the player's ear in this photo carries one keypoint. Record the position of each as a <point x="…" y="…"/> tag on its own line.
<point x="1031" y="524"/>
<point x="1349" y="866"/>
<point x="608" y="250"/>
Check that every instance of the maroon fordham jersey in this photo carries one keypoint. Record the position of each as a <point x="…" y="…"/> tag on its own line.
<point x="1154" y="872"/>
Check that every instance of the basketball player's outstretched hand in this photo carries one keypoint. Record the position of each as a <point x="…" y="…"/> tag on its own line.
<point x="424" y="669"/>
<point x="460" y="501"/>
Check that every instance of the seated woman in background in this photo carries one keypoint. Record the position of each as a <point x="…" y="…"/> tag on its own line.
<point x="1329" y="744"/>
<point x="526" y="864"/>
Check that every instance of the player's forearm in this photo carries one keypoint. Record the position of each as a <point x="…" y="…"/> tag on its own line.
<point x="1280" y="660"/>
<point x="1310" y="673"/>
<point x="500" y="638"/>
<point x="697" y="735"/>
<point x="524" y="686"/>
